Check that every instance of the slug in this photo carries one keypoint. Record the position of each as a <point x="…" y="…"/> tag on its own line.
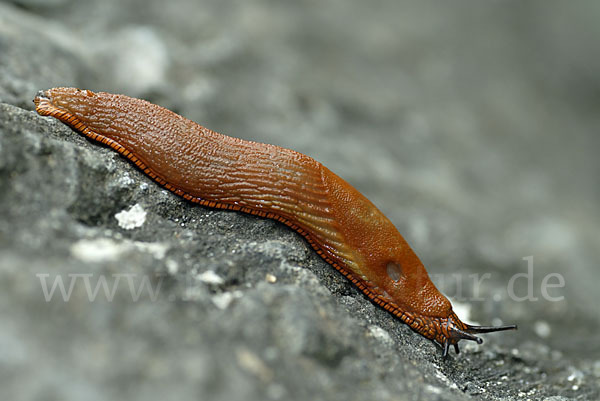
<point x="219" y="171"/>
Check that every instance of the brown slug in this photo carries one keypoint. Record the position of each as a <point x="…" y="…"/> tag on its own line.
<point x="219" y="171"/>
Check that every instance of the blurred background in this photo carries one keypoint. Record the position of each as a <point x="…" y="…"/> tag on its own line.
<point x="473" y="126"/>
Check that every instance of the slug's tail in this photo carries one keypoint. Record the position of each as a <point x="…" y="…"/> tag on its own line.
<point x="458" y="330"/>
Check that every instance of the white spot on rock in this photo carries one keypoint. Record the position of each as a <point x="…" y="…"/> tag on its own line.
<point x="210" y="277"/>
<point x="97" y="250"/>
<point x="542" y="329"/>
<point x="156" y="249"/>
<point x="576" y="376"/>
<point x="131" y="218"/>
<point x="434" y="389"/>
<point x="223" y="300"/>
<point x="250" y="362"/>
<point x="380" y="334"/>
<point x="107" y="250"/>
<point x="172" y="266"/>
<point x="125" y="180"/>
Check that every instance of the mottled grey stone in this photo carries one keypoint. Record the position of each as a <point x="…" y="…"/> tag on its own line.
<point x="473" y="127"/>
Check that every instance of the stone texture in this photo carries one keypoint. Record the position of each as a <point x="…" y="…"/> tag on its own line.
<point x="474" y="128"/>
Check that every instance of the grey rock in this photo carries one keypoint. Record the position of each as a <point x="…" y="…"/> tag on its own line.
<point x="34" y="52"/>
<point x="472" y="127"/>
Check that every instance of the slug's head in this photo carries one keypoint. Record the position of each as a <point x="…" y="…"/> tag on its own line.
<point x="102" y="117"/>
<point x="425" y="309"/>
<point x="51" y="101"/>
<point x="450" y="330"/>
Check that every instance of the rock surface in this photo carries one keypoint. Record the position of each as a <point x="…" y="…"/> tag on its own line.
<point x="474" y="128"/>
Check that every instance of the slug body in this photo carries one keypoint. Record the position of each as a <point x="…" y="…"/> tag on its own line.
<point x="218" y="171"/>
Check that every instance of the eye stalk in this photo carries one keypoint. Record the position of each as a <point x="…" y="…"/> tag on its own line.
<point x="458" y="330"/>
